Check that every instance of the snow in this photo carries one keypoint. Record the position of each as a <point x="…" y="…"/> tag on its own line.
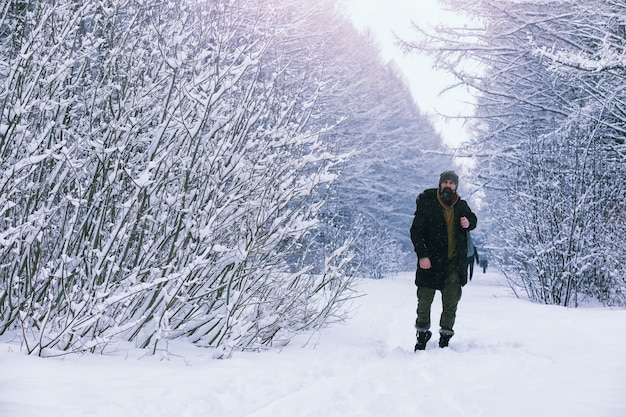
<point x="510" y="357"/>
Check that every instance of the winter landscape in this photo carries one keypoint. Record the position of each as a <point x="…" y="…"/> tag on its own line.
<point x="510" y="357"/>
<point x="205" y="209"/>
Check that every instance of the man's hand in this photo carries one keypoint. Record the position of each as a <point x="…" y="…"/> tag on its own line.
<point x="464" y="222"/>
<point x="424" y="263"/>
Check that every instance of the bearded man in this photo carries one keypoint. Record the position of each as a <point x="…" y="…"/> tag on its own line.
<point x="439" y="235"/>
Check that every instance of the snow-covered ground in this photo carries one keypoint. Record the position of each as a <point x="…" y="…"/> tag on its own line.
<point x="510" y="358"/>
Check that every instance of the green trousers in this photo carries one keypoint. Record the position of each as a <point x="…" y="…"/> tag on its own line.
<point x="450" y="296"/>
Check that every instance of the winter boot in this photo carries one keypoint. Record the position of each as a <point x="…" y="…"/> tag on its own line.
<point x="422" y="338"/>
<point x="444" y="339"/>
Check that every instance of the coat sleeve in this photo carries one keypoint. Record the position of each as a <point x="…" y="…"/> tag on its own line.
<point x="465" y="211"/>
<point x="417" y="232"/>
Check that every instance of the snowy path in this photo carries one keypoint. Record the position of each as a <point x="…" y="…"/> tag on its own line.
<point x="509" y="358"/>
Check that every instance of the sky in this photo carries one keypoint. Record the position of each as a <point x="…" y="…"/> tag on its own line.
<point x="510" y="357"/>
<point x="386" y="17"/>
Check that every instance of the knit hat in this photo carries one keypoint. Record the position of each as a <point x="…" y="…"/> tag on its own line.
<point x="449" y="175"/>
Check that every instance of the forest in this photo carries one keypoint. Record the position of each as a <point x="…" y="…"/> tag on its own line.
<point x="223" y="171"/>
<point x="214" y="171"/>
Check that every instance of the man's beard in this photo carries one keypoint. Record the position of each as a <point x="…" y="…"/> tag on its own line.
<point x="447" y="194"/>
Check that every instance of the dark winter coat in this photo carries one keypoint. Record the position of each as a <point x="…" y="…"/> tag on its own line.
<point x="430" y="239"/>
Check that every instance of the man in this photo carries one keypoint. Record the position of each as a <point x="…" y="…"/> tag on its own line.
<point x="483" y="264"/>
<point x="439" y="235"/>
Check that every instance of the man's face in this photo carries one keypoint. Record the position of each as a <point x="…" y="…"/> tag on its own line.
<point x="447" y="184"/>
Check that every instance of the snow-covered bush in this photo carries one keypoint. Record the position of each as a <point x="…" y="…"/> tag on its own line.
<point x="159" y="168"/>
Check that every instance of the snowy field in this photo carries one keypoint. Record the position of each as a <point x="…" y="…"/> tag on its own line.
<point x="510" y="358"/>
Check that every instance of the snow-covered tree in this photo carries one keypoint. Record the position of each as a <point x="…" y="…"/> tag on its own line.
<point x="395" y="154"/>
<point x="549" y="138"/>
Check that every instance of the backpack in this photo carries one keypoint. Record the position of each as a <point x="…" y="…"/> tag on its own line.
<point x="472" y="254"/>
